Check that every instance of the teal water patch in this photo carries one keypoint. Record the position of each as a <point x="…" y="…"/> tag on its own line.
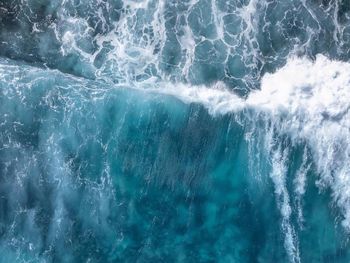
<point x="99" y="164"/>
<point x="106" y="174"/>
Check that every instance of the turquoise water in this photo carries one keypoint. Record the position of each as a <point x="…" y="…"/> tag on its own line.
<point x="100" y="162"/>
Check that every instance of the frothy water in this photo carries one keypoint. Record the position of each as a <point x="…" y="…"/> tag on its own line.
<point x="174" y="131"/>
<point x="309" y="102"/>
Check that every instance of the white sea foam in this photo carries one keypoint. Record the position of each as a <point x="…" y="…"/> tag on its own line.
<point x="217" y="99"/>
<point x="312" y="99"/>
<point x="310" y="102"/>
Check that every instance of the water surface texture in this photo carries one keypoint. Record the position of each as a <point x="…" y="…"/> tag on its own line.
<point x="175" y="131"/>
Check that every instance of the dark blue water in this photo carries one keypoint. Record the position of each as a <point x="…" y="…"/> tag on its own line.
<point x="120" y="139"/>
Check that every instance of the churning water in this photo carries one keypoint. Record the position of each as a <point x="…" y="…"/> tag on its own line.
<point x="174" y="131"/>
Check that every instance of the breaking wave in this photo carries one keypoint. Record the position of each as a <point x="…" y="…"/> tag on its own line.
<point x="174" y="131"/>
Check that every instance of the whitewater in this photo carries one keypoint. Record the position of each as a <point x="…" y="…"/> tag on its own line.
<point x="174" y="131"/>
<point x="308" y="101"/>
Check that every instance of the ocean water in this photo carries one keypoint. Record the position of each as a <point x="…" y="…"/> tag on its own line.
<point x="175" y="131"/>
